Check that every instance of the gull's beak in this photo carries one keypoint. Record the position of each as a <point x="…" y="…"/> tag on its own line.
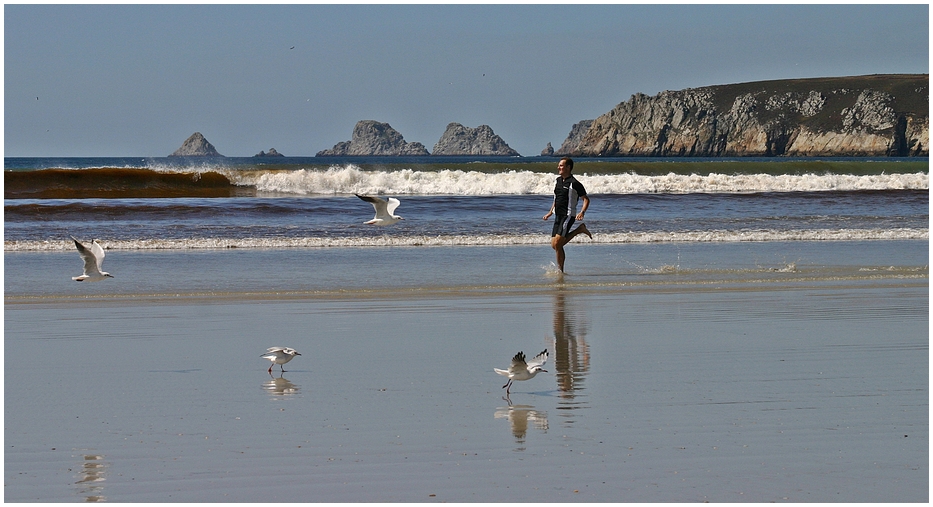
<point x="542" y="369"/>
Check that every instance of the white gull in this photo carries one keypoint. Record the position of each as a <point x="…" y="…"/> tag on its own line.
<point x="280" y="356"/>
<point x="384" y="209"/>
<point x="520" y="370"/>
<point x="93" y="258"/>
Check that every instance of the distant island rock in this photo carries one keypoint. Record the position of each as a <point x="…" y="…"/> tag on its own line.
<point x="272" y="153"/>
<point x="377" y="139"/>
<point x="548" y="151"/>
<point x="876" y="115"/>
<point x="460" y="140"/>
<point x="196" y="146"/>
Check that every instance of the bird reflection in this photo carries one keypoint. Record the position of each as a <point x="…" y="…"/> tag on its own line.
<point x="519" y="416"/>
<point x="91" y="475"/>
<point x="571" y="352"/>
<point x="280" y="387"/>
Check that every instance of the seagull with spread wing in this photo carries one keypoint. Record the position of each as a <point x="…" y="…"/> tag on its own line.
<point x="521" y="370"/>
<point x="93" y="257"/>
<point x="384" y="209"/>
<point x="280" y="356"/>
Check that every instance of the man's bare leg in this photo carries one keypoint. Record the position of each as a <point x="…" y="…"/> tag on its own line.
<point x="557" y="243"/>
<point x="581" y="229"/>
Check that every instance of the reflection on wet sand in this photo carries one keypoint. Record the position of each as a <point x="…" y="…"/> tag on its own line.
<point x="91" y="471"/>
<point x="519" y="416"/>
<point x="280" y="387"/>
<point x="571" y="353"/>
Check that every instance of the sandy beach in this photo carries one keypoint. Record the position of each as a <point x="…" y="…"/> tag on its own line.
<point x="780" y="386"/>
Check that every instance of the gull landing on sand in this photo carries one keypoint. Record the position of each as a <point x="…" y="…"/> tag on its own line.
<point x="93" y="258"/>
<point x="384" y="209"/>
<point x="280" y="356"/>
<point x="520" y="370"/>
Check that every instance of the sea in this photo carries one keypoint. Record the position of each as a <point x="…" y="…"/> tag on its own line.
<point x="741" y="330"/>
<point x="191" y="203"/>
<point x="770" y="209"/>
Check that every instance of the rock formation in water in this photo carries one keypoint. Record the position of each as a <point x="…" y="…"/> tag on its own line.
<point x="272" y="153"/>
<point x="375" y="138"/>
<point x="548" y="151"/>
<point x="196" y="146"/>
<point x="877" y="115"/>
<point x="460" y="140"/>
<point x="573" y="139"/>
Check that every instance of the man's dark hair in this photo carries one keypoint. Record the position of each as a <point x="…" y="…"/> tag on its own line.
<point x="569" y="162"/>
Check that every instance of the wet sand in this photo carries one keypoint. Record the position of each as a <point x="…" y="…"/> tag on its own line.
<point x="691" y="383"/>
<point x="802" y="394"/>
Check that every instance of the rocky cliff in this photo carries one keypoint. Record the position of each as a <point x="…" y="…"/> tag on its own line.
<point x="196" y="146"/>
<point x="573" y="140"/>
<point x="460" y="140"/>
<point x="878" y="115"/>
<point x="375" y="138"/>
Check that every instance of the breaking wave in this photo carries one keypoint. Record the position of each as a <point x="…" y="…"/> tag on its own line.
<point x="156" y="182"/>
<point x="346" y="180"/>
<point x="483" y="240"/>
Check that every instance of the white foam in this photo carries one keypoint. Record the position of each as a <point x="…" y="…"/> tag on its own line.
<point x="485" y="240"/>
<point x="351" y="179"/>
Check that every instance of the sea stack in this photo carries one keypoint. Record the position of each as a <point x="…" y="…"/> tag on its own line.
<point x="372" y="138"/>
<point x="460" y="140"/>
<point x="196" y="146"/>
<point x="271" y="153"/>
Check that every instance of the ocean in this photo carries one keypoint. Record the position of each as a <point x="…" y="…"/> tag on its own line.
<point x="166" y="203"/>
<point x="747" y="330"/>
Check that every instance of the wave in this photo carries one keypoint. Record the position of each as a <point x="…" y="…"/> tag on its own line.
<point x="118" y="182"/>
<point x="483" y="240"/>
<point x="346" y="180"/>
<point x="114" y="182"/>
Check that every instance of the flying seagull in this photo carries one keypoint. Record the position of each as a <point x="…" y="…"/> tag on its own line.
<point x="280" y="356"/>
<point x="383" y="208"/>
<point x="520" y="370"/>
<point x="93" y="258"/>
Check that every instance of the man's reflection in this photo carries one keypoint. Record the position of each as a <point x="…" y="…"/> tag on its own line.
<point x="91" y="476"/>
<point x="571" y="353"/>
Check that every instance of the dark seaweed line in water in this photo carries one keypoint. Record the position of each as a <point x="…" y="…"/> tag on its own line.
<point x="116" y="183"/>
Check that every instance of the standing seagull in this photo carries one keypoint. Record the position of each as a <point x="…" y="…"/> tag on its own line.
<point x="93" y="258"/>
<point x="520" y="370"/>
<point x="280" y="356"/>
<point x="383" y="208"/>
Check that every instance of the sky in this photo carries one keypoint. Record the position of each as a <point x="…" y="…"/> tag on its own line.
<point x="137" y="80"/>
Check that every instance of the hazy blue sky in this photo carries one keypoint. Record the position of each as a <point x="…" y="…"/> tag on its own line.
<point x="137" y="80"/>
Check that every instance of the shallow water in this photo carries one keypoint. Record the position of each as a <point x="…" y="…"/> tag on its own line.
<point x="411" y="270"/>
<point x="741" y="372"/>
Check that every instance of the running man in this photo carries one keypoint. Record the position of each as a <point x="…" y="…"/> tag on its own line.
<point x="567" y="192"/>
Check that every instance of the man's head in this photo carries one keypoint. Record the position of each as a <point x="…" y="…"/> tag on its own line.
<point x="565" y="166"/>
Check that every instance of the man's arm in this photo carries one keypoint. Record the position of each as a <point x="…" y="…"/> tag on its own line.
<point x="586" y="204"/>
<point x="551" y="211"/>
